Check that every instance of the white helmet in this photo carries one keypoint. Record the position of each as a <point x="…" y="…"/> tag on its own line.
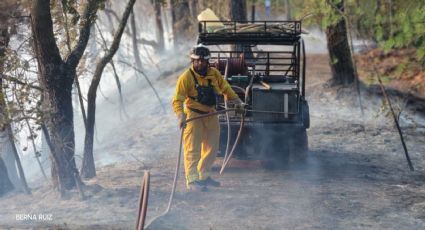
<point x="200" y="52"/>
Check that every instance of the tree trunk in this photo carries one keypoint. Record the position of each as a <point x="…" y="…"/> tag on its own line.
<point x="253" y="12"/>
<point x="88" y="169"/>
<point x="136" y="51"/>
<point x="288" y="10"/>
<point x="5" y="184"/>
<point x="339" y="51"/>
<point x="159" y="27"/>
<point x="238" y="10"/>
<point x="17" y="160"/>
<point x="62" y="132"/>
<point x="227" y="9"/>
<point x="57" y="77"/>
<point x="193" y="5"/>
<point x="9" y="160"/>
<point x="182" y="23"/>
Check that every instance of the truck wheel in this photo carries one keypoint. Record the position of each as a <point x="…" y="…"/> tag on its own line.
<point x="305" y="114"/>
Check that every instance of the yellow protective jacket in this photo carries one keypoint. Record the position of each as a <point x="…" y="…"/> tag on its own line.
<point x="185" y="88"/>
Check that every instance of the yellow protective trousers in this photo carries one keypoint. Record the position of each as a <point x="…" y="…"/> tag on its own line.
<point x="201" y="141"/>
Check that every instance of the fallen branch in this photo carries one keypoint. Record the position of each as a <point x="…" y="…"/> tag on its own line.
<point x="395" y="117"/>
<point x="117" y="80"/>
<point x="147" y="42"/>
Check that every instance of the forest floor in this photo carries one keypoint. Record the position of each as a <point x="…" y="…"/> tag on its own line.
<point x="398" y="69"/>
<point x="355" y="176"/>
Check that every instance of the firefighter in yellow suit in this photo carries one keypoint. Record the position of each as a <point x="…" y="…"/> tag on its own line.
<point x="195" y="95"/>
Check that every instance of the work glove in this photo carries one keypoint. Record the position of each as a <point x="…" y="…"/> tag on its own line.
<point x="238" y="105"/>
<point x="240" y="108"/>
<point x="182" y="121"/>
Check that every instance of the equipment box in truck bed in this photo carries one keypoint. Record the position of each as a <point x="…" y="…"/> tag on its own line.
<point x="281" y="98"/>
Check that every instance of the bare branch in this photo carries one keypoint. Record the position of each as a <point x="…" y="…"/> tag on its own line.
<point x="149" y="82"/>
<point x="110" y="12"/>
<point x="19" y="82"/>
<point x="151" y="60"/>
<point x="113" y="13"/>
<point x="117" y="80"/>
<point x="88" y="169"/>
<point x="87" y="20"/>
<point x="68" y="39"/>
<point x="147" y="42"/>
<point x="104" y="96"/>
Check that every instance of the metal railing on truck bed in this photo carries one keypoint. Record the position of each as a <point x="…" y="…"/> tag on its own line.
<point x="275" y="66"/>
<point x="257" y="32"/>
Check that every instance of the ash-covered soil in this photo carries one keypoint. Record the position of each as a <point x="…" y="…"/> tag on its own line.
<point x="355" y="176"/>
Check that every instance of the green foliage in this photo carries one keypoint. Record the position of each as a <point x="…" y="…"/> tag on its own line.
<point x="22" y="99"/>
<point x="319" y="11"/>
<point x="406" y="27"/>
<point x="420" y="52"/>
<point x="392" y="23"/>
<point x="401" y="68"/>
<point x="386" y="79"/>
<point x="66" y="15"/>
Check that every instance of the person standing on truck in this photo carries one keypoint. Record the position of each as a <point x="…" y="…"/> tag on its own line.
<point x="195" y="94"/>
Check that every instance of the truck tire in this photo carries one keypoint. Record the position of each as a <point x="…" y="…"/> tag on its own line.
<point x="305" y="113"/>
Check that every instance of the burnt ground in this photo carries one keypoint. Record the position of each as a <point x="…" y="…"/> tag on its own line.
<point x="355" y="176"/>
